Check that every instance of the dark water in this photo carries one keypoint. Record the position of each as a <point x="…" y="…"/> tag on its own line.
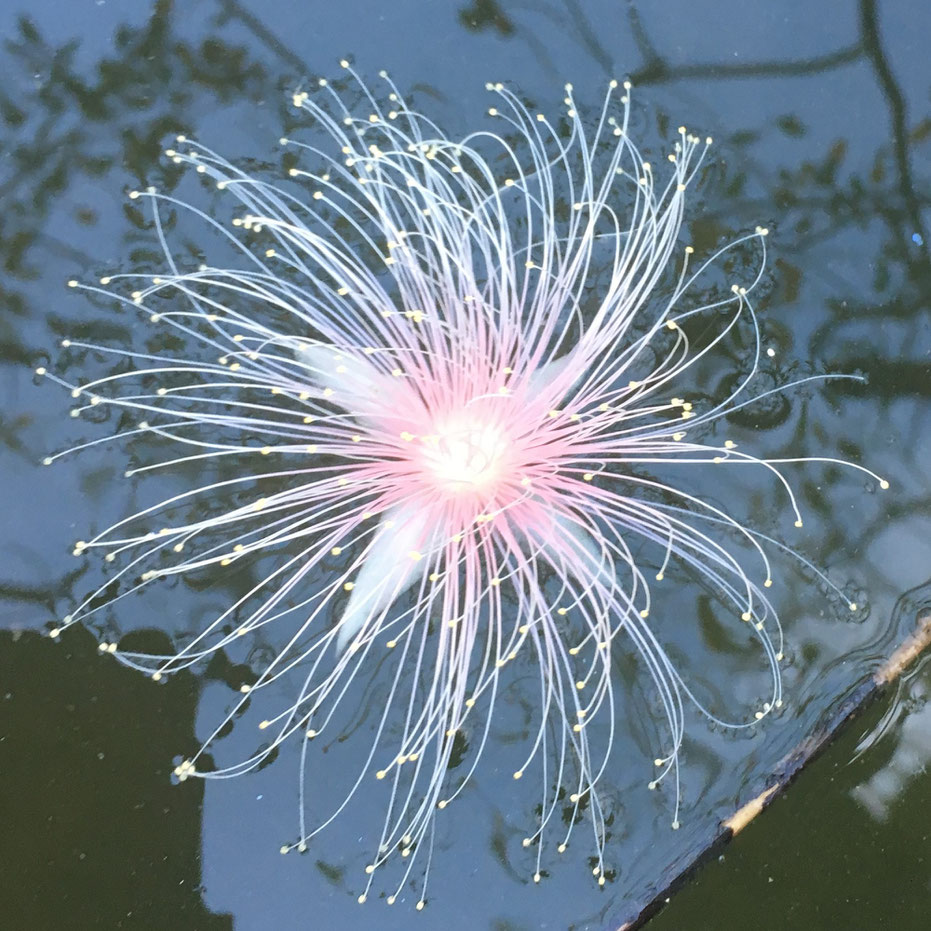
<point x="823" y="121"/>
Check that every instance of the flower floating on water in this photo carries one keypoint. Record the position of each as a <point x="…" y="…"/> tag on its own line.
<point x="429" y="386"/>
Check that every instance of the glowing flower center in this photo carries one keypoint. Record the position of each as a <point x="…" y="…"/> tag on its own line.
<point x="466" y="452"/>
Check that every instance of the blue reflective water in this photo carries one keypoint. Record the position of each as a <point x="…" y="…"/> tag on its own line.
<point x="823" y="128"/>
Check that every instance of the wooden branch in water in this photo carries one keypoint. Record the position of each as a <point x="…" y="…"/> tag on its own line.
<point x="791" y="765"/>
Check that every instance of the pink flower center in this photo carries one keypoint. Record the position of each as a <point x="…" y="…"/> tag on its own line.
<point x="465" y="453"/>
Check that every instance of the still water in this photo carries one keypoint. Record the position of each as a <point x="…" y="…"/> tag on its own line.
<point x="822" y="121"/>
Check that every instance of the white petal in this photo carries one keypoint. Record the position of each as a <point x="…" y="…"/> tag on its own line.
<point x="388" y="571"/>
<point x="356" y="384"/>
<point x="582" y="543"/>
<point x="545" y="375"/>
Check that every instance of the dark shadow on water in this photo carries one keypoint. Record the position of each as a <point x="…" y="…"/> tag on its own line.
<point x="94" y="833"/>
